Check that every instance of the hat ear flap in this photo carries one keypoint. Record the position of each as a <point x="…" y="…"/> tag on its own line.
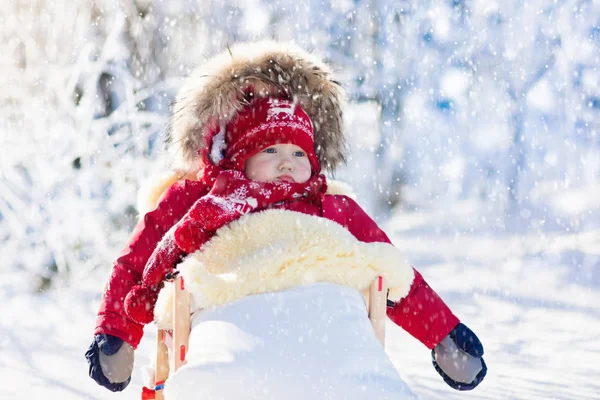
<point x="209" y="173"/>
<point x="217" y="146"/>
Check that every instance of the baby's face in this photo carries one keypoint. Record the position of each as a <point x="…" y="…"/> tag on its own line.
<point x="280" y="162"/>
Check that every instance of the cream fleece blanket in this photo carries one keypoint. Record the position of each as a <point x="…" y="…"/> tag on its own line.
<point x="275" y="250"/>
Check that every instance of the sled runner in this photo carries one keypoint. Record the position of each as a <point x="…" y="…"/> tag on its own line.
<point x="172" y="344"/>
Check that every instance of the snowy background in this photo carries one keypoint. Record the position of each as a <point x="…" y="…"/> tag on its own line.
<point x="475" y="143"/>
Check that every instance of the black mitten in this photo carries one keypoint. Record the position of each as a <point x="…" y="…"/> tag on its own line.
<point x="111" y="361"/>
<point x="458" y="358"/>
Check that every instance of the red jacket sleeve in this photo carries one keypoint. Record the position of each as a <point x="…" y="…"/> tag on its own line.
<point x="422" y="313"/>
<point x="128" y="268"/>
<point x="346" y="212"/>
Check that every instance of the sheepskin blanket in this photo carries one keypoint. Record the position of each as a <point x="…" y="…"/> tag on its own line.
<point x="274" y="250"/>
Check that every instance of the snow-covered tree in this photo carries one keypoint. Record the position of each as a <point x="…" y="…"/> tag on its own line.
<point x="452" y="100"/>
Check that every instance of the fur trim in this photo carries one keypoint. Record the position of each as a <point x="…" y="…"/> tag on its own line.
<point x="255" y="255"/>
<point x="151" y="190"/>
<point x="338" y="187"/>
<point x="213" y="94"/>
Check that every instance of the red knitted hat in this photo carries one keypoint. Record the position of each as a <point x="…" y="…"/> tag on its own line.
<point x="263" y="123"/>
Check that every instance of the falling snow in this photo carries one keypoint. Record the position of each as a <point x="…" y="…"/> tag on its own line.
<point x="474" y="141"/>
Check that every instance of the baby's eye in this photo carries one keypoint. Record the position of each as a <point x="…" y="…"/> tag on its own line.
<point x="270" y="150"/>
<point x="299" y="154"/>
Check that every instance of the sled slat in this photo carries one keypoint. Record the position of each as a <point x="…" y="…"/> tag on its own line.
<point x="377" y="307"/>
<point x="162" y="362"/>
<point x="181" y="323"/>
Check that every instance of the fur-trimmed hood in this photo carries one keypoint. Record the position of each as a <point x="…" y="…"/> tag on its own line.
<point x="255" y="255"/>
<point x="214" y="92"/>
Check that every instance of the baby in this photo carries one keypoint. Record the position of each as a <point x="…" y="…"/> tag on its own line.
<point x="266" y="156"/>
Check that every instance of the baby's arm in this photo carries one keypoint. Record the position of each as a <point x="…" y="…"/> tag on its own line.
<point x="110" y="356"/>
<point x="127" y="269"/>
<point x="422" y="313"/>
<point x="456" y="350"/>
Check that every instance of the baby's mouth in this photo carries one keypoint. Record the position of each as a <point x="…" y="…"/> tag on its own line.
<point x="285" y="178"/>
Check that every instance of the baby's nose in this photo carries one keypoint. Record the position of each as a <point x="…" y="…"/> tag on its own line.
<point x="286" y="164"/>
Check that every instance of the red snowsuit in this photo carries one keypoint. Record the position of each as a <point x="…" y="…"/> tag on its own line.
<point x="422" y="313"/>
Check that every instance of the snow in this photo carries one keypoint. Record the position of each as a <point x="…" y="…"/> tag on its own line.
<point x="524" y="295"/>
<point x="530" y="298"/>
<point x="320" y="332"/>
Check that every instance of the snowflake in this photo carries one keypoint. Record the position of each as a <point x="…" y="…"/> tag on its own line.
<point x="286" y="186"/>
<point x="240" y="193"/>
<point x="266" y="193"/>
<point x="237" y="174"/>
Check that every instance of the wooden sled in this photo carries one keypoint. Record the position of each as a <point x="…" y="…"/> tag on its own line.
<point x="176" y="340"/>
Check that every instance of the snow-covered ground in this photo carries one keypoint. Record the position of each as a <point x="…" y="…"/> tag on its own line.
<point x="492" y="97"/>
<point x="531" y="298"/>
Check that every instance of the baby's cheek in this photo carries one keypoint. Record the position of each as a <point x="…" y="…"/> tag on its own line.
<point x="253" y="169"/>
<point x="264" y="170"/>
<point x="305" y="172"/>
